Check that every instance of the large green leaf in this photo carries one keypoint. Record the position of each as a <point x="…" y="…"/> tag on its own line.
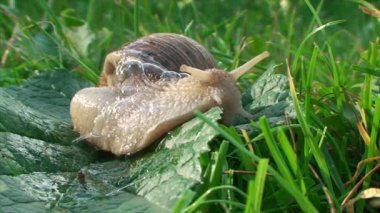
<point x="42" y="169"/>
<point x="31" y="192"/>
<point x="21" y="155"/>
<point x="40" y="108"/>
<point x="269" y="97"/>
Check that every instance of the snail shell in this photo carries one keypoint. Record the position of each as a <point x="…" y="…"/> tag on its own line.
<point x="145" y="97"/>
<point x="165" y="51"/>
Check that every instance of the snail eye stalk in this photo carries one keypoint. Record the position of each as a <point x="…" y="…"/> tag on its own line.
<point x="238" y="72"/>
<point x="197" y="73"/>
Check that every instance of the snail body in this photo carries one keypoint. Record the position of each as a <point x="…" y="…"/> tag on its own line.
<point x="145" y="97"/>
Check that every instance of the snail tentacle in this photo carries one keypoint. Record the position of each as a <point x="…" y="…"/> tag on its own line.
<point x="247" y="66"/>
<point x="197" y="73"/>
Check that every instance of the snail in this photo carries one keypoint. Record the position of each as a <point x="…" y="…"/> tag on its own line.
<point x="150" y="86"/>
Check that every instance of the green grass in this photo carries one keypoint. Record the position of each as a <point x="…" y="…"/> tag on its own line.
<point x="333" y="54"/>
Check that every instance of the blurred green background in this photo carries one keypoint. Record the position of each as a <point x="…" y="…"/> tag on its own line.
<point x="40" y="35"/>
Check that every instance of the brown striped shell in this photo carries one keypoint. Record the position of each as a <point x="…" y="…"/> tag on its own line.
<point x="168" y="51"/>
<point x="144" y="99"/>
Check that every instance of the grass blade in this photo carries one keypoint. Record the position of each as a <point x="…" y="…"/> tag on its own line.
<point x="291" y="158"/>
<point x="275" y="151"/>
<point x="336" y="77"/>
<point x="217" y="170"/>
<point x="297" y="55"/>
<point x="256" y="188"/>
<point x="309" y="80"/>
